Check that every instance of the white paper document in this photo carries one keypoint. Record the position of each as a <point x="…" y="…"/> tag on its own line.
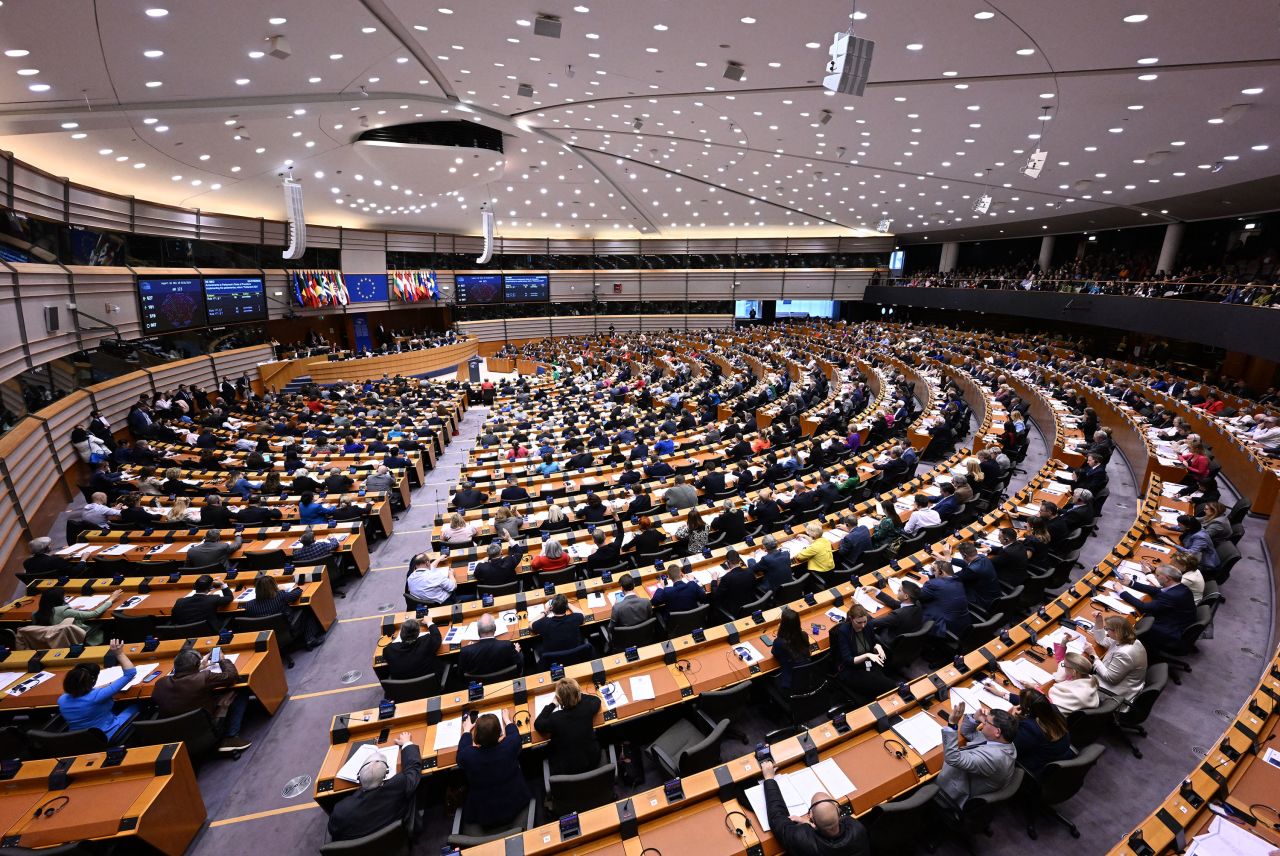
<point x="1115" y="604"/>
<point x="7" y="678"/>
<point x="833" y="778"/>
<point x="118" y="550"/>
<point x="364" y="754"/>
<point x="1224" y="838"/>
<point x="448" y="733"/>
<point x="131" y="601"/>
<point x="92" y="601"/>
<point x="921" y="731"/>
<point x="29" y="684"/>
<point x="106" y="676"/>
<point x="642" y="688"/>
<point x="540" y="703"/>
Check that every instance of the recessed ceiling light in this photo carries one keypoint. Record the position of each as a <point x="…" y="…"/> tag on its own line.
<point x="335" y="56"/>
<point x="775" y="65"/>
<point x="812" y="45"/>
<point x="1134" y="19"/>
<point x="151" y="121"/>
<point x="984" y="16"/>
<point x="915" y="46"/>
<point x="523" y="23"/>
<point x="444" y="11"/>
<point x="79" y="136"/>
<point x="152" y="84"/>
<point x="583" y="9"/>
<point x="1149" y="60"/>
<point x="313" y="80"/>
<point x="15" y="53"/>
<point x="368" y="30"/>
<point x="859" y="16"/>
<point x="153" y="54"/>
<point x="651" y="50"/>
<point x="277" y="21"/>
<point x="69" y="126"/>
<point x="139" y="165"/>
<point x="1025" y="51"/>
<point x="975" y="107"/>
<point x="748" y="20"/>
<point x="1147" y="77"/>
<point x="39" y="87"/>
<point x="157" y="13"/>
<point x="1254" y="90"/>
<point x="204" y="157"/>
<point x="1216" y="121"/>
<point x="1261" y="147"/>
<point x="242" y="81"/>
<point x="593" y="35"/>
<point x="1178" y="143"/>
<point x="420" y="27"/>
<point x="160" y="129"/>
<point x="256" y="54"/>
<point x="661" y="28"/>
<point x="28" y="72"/>
<point x="1135" y="106"/>
<point x="1116" y="130"/>
<point x="105" y="151"/>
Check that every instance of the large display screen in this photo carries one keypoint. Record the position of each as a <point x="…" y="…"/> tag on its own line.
<point x="526" y="288"/>
<point x="366" y="287"/>
<point x="478" y="288"/>
<point x="234" y="299"/>
<point x="170" y="303"/>
<point x="806" y="308"/>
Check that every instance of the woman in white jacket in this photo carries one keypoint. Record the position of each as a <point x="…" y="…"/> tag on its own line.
<point x="1074" y="687"/>
<point x="1122" y="669"/>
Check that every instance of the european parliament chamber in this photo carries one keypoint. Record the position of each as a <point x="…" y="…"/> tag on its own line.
<point x="639" y="429"/>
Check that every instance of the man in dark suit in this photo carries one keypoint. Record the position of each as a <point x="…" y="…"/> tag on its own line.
<point x="255" y="513"/>
<point x="606" y="554"/>
<point x="712" y="484"/>
<point x="469" y="497"/>
<point x="775" y="564"/>
<point x="944" y="601"/>
<point x="413" y="655"/>
<point x="1093" y="475"/>
<point x="853" y="544"/>
<point x="731" y="522"/>
<point x="641" y="502"/>
<point x="498" y="569"/>
<point x="44" y="562"/>
<point x="658" y="469"/>
<point x="737" y="587"/>
<point x="683" y="594"/>
<point x="1079" y="515"/>
<point x="975" y="570"/>
<point x="906" y="615"/>
<point x="1172" y="606"/>
<point x="488" y="655"/>
<point x="337" y="481"/>
<point x="513" y="492"/>
<point x="766" y="509"/>
<point x="202" y="604"/>
<point x="214" y="514"/>
<point x="1010" y="559"/>
<point x="946" y="504"/>
<point x="381" y="801"/>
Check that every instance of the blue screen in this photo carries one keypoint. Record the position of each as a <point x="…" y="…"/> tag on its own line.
<point x="233" y="299"/>
<point x="168" y="304"/>
<point x="743" y="309"/>
<point x="478" y="288"/>
<point x="366" y="287"/>
<point x="526" y="288"/>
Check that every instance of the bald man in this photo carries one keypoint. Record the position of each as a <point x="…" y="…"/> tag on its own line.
<point x="821" y="832"/>
<point x="382" y="799"/>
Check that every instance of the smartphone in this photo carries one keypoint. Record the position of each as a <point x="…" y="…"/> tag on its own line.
<point x="215" y="655"/>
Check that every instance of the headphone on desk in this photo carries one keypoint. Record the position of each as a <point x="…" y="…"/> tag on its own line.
<point x="49" y="809"/>
<point x="895" y="748"/>
<point x="516" y="719"/>
<point x="739" y="831"/>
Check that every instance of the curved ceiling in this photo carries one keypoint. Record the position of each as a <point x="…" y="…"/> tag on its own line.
<point x="1155" y="110"/>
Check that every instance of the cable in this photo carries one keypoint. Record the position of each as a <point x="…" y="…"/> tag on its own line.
<point x="1274" y="824"/>
<point x="45" y="810"/>
<point x="741" y="832"/>
<point x="900" y="752"/>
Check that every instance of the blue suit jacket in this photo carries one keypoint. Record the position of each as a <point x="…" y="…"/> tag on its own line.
<point x="945" y="602"/>
<point x="776" y="567"/>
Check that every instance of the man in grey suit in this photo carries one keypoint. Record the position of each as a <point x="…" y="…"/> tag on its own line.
<point x="212" y="550"/>
<point x="985" y="764"/>
<point x="680" y="495"/>
<point x="630" y="609"/>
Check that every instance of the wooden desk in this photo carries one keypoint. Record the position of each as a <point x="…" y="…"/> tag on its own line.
<point x="150" y="797"/>
<point x="407" y="363"/>
<point x="258" y="662"/>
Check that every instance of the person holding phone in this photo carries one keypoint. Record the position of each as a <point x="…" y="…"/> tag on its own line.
<point x="207" y="683"/>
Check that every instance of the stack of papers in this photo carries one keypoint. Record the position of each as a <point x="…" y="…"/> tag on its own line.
<point x="799" y="787"/>
<point x="114" y="673"/>
<point x="976" y="697"/>
<point x="540" y="703"/>
<point x="642" y="688"/>
<point x="922" y="732"/>
<point x="1068" y="637"/>
<point x="366" y="753"/>
<point x="866" y="601"/>
<point x="1115" y="604"/>
<point x="1224" y="838"/>
<point x="1024" y="673"/>
<point x="30" y="683"/>
<point x="131" y="602"/>
<point x="92" y="601"/>
<point x="448" y="733"/>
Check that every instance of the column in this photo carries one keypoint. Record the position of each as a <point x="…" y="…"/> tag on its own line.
<point x="1169" y="250"/>
<point x="1046" y="252"/>
<point x="947" y="261"/>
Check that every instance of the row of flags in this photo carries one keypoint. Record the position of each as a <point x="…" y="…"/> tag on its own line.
<point x="318" y="288"/>
<point x="414" y="285"/>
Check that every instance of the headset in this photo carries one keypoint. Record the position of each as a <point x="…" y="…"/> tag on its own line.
<point x="1273" y="824"/>
<point x="654" y="850"/>
<point x="516" y="719"/>
<point x="49" y="809"/>
<point x="740" y="831"/>
<point x="895" y="748"/>
<point x="386" y="768"/>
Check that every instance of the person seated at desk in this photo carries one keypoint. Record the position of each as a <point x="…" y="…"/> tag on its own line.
<point x="457" y="531"/>
<point x="1079" y="514"/>
<point x="268" y="599"/>
<point x="607" y="554"/>
<point x="413" y="655"/>
<point x="312" y="512"/>
<point x="488" y="654"/>
<point x="823" y="831"/>
<point x="630" y="609"/>
<point x="53" y="609"/>
<point x="197" y="682"/>
<point x="552" y="557"/>
<point x="43" y="562"/>
<point x="381" y="800"/>
<point x="311" y="549"/>
<point x="985" y="764"/>
<point x="923" y="517"/>
<point x="202" y="604"/>
<point x="1092" y="476"/>
<point x="945" y="504"/>
<point x="513" y="492"/>
<point x="97" y="513"/>
<point x="791" y="648"/>
<point x="683" y="594"/>
<point x="854" y="543"/>
<point x="1042" y="737"/>
<point x="693" y="533"/>
<point x="730" y="523"/>
<point x="680" y="495"/>
<point x="132" y="515"/>
<point x="429" y="582"/>
<point x="303" y="483"/>
<point x="569" y="724"/>
<point x="629" y="476"/>
<point x="736" y="587"/>
<point x="649" y="539"/>
<point x="82" y="706"/>
<point x="1194" y="540"/>
<point x="490" y="762"/>
<point x="658" y="469"/>
<point x="945" y="602"/>
<point x="775" y="564"/>
<point x="469" y="497"/>
<point x="860" y="657"/>
<point x="337" y="481"/>
<point x="254" y="513"/>
<point x="561" y="627"/>
<point x="905" y="615"/>
<point x="818" y="554"/>
<point x="982" y="586"/>
<point x="594" y="510"/>
<point x="1122" y="671"/>
<point x="766" y="510"/>
<point x="507" y="523"/>
<point x="1010" y="559"/>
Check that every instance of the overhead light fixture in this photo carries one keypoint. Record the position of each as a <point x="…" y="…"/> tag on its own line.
<point x="547" y="25"/>
<point x="824" y="117"/>
<point x="1035" y="163"/>
<point x="278" y="47"/>
<point x="982" y="204"/>
<point x="734" y="71"/>
<point x="884" y="224"/>
<point x="637" y="123"/>
<point x="525" y="90"/>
